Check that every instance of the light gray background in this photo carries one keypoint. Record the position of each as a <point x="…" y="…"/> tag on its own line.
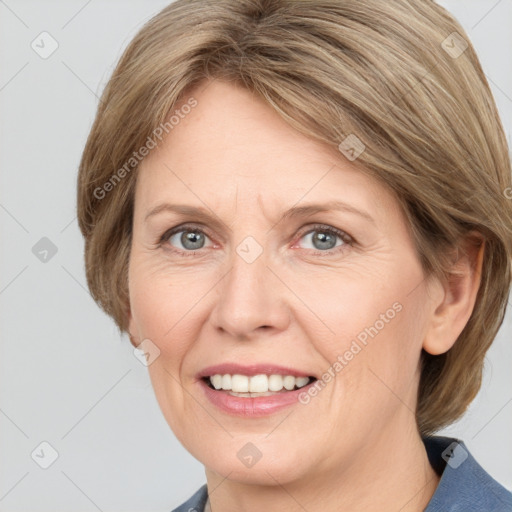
<point x="65" y="375"/>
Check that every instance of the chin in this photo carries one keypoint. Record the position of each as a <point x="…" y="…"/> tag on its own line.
<point x="256" y="462"/>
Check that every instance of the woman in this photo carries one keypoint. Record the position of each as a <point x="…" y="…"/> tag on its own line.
<point x="298" y="211"/>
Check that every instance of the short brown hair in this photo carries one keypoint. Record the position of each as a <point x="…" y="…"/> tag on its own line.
<point x="391" y="72"/>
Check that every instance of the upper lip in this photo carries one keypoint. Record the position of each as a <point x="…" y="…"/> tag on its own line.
<point x="250" y="370"/>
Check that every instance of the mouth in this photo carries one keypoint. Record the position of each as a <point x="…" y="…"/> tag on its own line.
<point x="254" y="390"/>
<point x="253" y="386"/>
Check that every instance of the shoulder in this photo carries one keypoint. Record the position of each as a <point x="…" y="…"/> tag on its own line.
<point x="196" y="503"/>
<point x="464" y="486"/>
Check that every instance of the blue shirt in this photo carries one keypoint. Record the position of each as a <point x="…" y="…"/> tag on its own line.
<point x="464" y="486"/>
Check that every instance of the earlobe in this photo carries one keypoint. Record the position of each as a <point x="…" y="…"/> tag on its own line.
<point x="451" y="313"/>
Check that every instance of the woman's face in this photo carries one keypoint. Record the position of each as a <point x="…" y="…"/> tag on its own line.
<point x="257" y="282"/>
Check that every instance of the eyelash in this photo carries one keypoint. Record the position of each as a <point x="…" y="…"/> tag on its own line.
<point x="347" y="239"/>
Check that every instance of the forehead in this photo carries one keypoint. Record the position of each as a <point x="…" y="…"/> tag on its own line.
<point x="232" y="144"/>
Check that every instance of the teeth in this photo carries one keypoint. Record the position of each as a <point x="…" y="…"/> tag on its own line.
<point x="216" y="381"/>
<point x="289" y="382"/>
<point x="275" y="383"/>
<point x="226" y="382"/>
<point x="257" y="383"/>
<point x="301" y="381"/>
<point x="239" y="383"/>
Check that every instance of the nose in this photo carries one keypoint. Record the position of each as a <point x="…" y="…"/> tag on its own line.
<point x="251" y="299"/>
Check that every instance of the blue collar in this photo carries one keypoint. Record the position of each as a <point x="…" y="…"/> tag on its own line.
<point x="464" y="486"/>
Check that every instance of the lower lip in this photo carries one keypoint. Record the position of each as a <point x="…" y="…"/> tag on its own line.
<point x="252" y="407"/>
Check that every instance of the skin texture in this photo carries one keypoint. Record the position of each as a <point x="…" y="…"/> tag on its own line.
<point x="354" y="446"/>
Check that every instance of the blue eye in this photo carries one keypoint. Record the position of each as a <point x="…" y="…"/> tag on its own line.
<point x="324" y="238"/>
<point x="192" y="238"/>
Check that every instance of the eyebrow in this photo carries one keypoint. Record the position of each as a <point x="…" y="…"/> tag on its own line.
<point x="294" y="212"/>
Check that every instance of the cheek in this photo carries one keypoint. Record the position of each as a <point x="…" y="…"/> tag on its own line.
<point x="344" y="307"/>
<point x="390" y="358"/>
<point x="368" y="328"/>
<point x="168" y="392"/>
<point x="163" y="306"/>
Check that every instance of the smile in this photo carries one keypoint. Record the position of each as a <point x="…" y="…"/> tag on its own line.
<point x="256" y="385"/>
<point x="255" y="390"/>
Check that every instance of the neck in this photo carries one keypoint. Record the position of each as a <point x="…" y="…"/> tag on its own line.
<point x="390" y="473"/>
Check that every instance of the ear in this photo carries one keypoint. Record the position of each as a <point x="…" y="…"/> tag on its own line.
<point x="454" y="299"/>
